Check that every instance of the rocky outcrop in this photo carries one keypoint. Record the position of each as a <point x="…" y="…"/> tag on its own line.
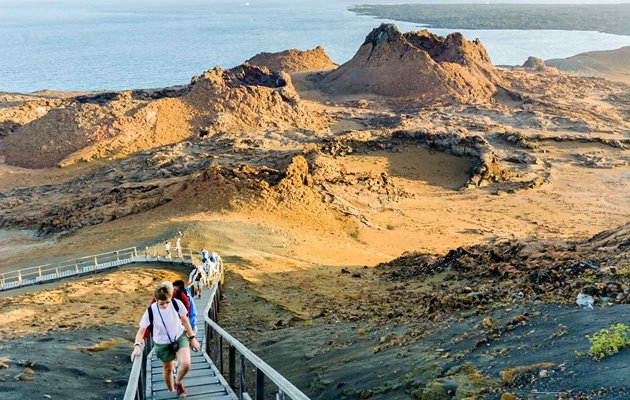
<point x="519" y="271"/>
<point x="417" y="65"/>
<point x="294" y="60"/>
<point x="538" y="65"/>
<point x="45" y="133"/>
<point x="249" y="97"/>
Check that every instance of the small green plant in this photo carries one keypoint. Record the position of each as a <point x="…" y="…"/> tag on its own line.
<point x="562" y="330"/>
<point x="607" y="342"/>
<point x="363" y="331"/>
<point x="588" y="279"/>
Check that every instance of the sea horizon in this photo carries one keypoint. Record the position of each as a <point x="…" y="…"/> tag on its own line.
<point x="89" y="46"/>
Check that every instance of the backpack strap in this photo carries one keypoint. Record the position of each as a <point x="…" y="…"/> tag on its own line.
<point x="150" y="328"/>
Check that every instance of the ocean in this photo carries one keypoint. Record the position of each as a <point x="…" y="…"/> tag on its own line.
<point x="116" y="44"/>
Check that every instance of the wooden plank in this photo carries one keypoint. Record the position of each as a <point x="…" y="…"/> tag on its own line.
<point x="191" y="374"/>
<point x="193" y="368"/>
<point x="198" y="381"/>
<point x="206" y="397"/>
<point x="215" y="390"/>
<point x="193" y="361"/>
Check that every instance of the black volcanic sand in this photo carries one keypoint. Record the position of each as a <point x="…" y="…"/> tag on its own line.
<point x="360" y="360"/>
<point x="60" y="373"/>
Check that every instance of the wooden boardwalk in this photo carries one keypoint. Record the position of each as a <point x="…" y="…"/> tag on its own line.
<point x="203" y="381"/>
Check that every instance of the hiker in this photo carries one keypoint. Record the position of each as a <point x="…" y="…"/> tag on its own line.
<point x="180" y="287"/>
<point x="181" y="296"/>
<point x="204" y="255"/>
<point x="212" y="268"/>
<point x="172" y="334"/>
<point x="178" y="247"/>
<point x="167" y="248"/>
<point x="197" y="278"/>
<point x="207" y="269"/>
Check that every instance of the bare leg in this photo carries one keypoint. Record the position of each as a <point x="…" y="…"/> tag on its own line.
<point x="183" y="360"/>
<point x="167" y="374"/>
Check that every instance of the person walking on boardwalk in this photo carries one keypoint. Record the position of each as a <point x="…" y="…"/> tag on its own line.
<point x="197" y="278"/>
<point x="178" y="247"/>
<point x="167" y="249"/>
<point x="180" y="287"/>
<point x="172" y="334"/>
<point x="204" y="255"/>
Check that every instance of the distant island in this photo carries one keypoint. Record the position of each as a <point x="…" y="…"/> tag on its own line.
<point x="607" y="18"/>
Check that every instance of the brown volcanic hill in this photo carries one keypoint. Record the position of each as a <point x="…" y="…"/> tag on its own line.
<point x="609" y="61"/>
<point x="294" y="60"/>
<point x="610" y="64"/>
<point x="416" y="65"/>
<point x="83" y="128"/>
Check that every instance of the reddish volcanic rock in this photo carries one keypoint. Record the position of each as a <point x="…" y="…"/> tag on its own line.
<point x="417" y="65"/>
<point x="294" y="60"/>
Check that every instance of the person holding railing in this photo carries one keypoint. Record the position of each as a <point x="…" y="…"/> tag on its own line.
<point x="172" y="334"/>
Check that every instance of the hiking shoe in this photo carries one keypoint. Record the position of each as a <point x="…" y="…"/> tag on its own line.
<point x="181" y="390"/>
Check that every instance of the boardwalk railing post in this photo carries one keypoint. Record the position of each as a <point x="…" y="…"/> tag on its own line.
<point x="57" y="272"/>
<point x="76" y="266"/>
<point x="220" y="341"/>
<point x="95" y="263"/>
<point x="135" y="251"/>
<point x="242" y="388"/>
<point x="40" y="273"/>
<point x="117" y="256"/>
<point x="260" y="385"/>
<point x="232" y="366"/>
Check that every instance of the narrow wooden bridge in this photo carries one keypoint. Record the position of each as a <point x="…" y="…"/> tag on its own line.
<point x="89" y="265"/>
<point x="224" y="369"/>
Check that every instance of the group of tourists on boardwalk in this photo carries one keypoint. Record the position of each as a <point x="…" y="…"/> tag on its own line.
<point x="178" y="248"/>
<point x="206" y="273"/>
<point x="171" y="318"/>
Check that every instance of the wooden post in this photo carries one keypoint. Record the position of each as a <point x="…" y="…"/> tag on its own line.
<point x="117" y="256"/>
<point x="76" y="266"/>
<point x="20" y="277"/>
<point x="57" y="272"/>
<point x="259" y="392"/>
<point x="242" y="389"/>
<point x="135" y="251"/>
<point x="232" y="366"/>
<point x="220" y="340"/>
<point x="95" y="263"/>
<point x="40" y="273"/>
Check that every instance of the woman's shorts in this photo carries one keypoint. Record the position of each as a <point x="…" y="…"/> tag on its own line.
<point x="164" y="354"/>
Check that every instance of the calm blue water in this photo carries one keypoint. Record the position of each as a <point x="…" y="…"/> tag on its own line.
<point x="116" y="44"/>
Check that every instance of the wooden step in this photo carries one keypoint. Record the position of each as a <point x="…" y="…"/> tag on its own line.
<point x="205" y="390"/>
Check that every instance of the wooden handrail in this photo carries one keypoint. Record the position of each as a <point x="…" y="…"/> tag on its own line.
<point x="263" y="370"/>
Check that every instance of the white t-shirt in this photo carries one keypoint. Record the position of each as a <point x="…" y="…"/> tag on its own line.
<point x="171" y="320"/>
